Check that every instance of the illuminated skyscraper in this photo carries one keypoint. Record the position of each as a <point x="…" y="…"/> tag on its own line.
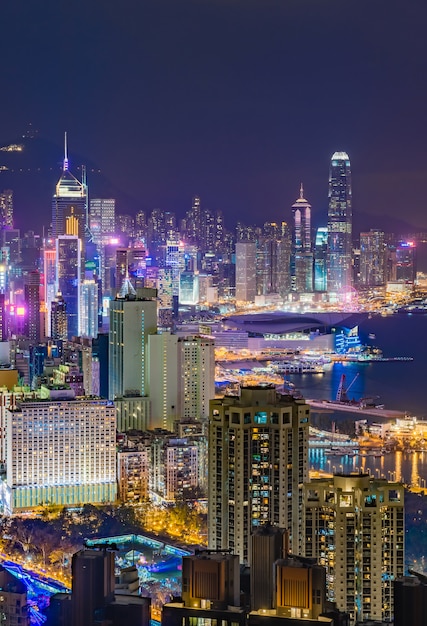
<point x="302" y="255"/>
<point x="6" y="209"/>
<point x="68" y="272"/>
<point x="32" y="302"/>
<point x="58" y="319"/>
<point x="70" y="199"/>
<point x="88" y="309"/>
<point x="406" y="270"/>
<point x="354" y="526"/>
<point x="102" y="218"/>
<point x="49" y="281"/>
<point x="258" y="462"/>
<point x="133" y="316"/>
<point x="372" y="258"/>
<point x="340" y="218"/>
<point x="320" y="259"/>
<point x="245" y="271"/>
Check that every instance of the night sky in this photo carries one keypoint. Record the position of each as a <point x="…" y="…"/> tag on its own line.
<point x="234" y="100"/>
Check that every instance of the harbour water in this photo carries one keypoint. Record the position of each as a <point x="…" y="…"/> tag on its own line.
<point x="400" y="385"/>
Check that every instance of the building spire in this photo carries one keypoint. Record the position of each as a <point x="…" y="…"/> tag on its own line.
<point x="65" y="166"/>
<point x="301" y="192"/>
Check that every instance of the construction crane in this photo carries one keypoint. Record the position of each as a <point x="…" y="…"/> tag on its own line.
<point x="342" y="390"/>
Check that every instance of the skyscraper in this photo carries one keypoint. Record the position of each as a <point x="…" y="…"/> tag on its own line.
<point x="372" y="258"/>
<point x="258" y="461"/>
<point x="6" y="209"/>
<point x="320" y="259"/>
<point x="354" y="525"/>
<point x="68" y="268"/>
<point x="70" y="199"/>
<point x="245" y="271"/>
<point x="133" y="316"/>
<point x="58" y="319"/>
<point x="32" y="301"/>
<point x="339" y="224"/>
<point x="302" y="253"/>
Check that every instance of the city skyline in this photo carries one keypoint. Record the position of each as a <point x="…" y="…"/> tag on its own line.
<point x="220" y="99"/>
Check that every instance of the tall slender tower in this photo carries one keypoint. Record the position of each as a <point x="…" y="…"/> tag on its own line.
<point x="339" y="224"/>
<point x="302" y="253"/>
<point x="70" y="199"/>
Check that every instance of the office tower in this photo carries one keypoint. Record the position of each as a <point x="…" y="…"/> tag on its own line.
<point x="58" y="319"/>
<point x="125" y="224"/>
<point x="258" y="461"/>
<point x="138" y="264"/>
<point x="245" y="271"/>
<point x="354" y="526"/>
<point x="121" y="267"/>
<point x="406" y="269"/>
<point x="11" y="242"/>
<point x="93" y="583"/>
<point x="302" y="254"/>
<point x="32" y="302"/>
<point x="6" y="209"/>
<point x="89" y="308"/>
<point x="102" y="219"/>
<point x="68" y="268"/>
<point x="175" y="261"/>
<point x="193" y="221"/>
<point x="372" y="258"/>
<point x="410" y="599"/>
<point x="133" y="317"/>
<point x="339" y="224"/>
<point x="210" y="592"/>
<point x="320" y="259"/>
<point x="189" y="288"/>
<point x="268" y="545"/>
<point x="49" y="281"/>
<point x="60" y="451"/>
<point x="70" y="199"/>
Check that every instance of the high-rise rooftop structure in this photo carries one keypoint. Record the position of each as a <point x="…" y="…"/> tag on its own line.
<point x="70" y="199"/>
<point x="354" y="525"/>
<point x="302" y="254"/>
<point x="133" y="316"/>
<point x="340" y="219"/>
<point x="258" y="461"/>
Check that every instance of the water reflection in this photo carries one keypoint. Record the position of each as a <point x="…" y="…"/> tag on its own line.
<point x="407" y="467"/>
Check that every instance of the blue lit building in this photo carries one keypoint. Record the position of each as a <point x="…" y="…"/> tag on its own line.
<point x="340" y="219"/>
<point x="320" y="258"/>
<point x="68" y="269"/>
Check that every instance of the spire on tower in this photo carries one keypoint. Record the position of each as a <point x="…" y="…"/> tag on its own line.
<point x="301" y="192"/>
<point x="65" y="166"/>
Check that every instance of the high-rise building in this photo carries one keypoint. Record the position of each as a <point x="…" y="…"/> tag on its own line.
<point x="268" y="545"/>
<point x="258" y="461"/>
<point x="49" y="281"/>
<point x="245" y="271"/>
<point x="354" y="525"/>
<point x="70" y="199"/>
<point x="88" y="309"/>
<point x="406" y="270"/>
<point x="133" y="317"/>
<point x="60" y="451"/>
<point x="58" y="317"/>
<point x="68" y="272"/>
<point x="6" y="209"/>
<point x="372" y="258"/>
<point x="102" y="218"/>
<point x="32" y="301"/>
<point x="340" y="218"/>
<point x="302" y="252"/>
<point x="320" y="259"/>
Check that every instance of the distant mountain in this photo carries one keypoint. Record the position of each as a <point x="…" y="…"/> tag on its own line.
<point x="33" y="171"/>
<point x="365" y="221"/>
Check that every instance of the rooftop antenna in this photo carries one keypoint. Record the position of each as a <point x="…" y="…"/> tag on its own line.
<point x="65" y="166"/>
<point x="301" y="192"/>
